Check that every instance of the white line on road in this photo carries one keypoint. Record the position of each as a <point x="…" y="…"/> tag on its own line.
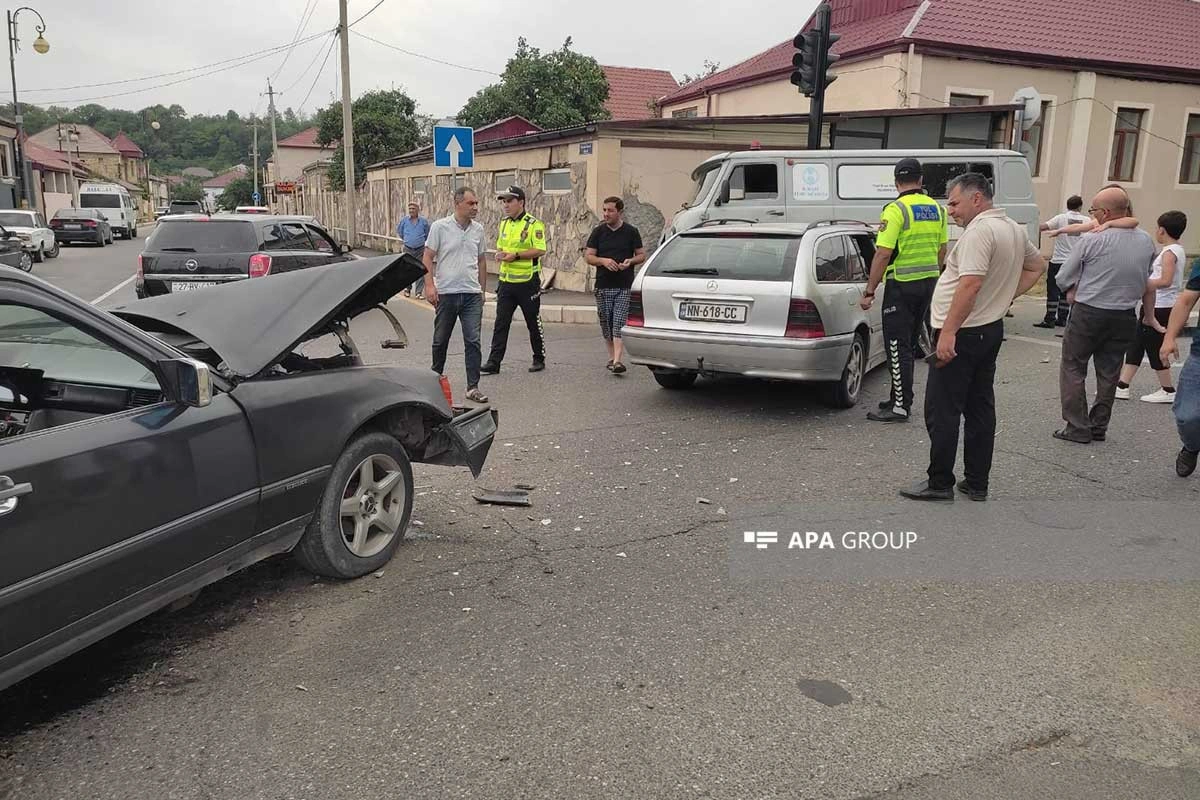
<point x="114" y="290"/>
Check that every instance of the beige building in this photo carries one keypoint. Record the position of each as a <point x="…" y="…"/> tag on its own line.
<point x="1120" y="87"/>
<point x="295" y="153"/>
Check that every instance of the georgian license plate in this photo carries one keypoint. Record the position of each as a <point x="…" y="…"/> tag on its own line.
<point x="71" y="227"/>
<point x="712" y="312"/>
<point x="188" y="286"/>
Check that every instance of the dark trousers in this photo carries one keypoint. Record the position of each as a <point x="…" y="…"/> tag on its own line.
<point x="1101" y="336"/>
<point x="528" y="297"/>
<point x="1148" y="343"/>
<point x="905" y="311"/>
<point x="964" y="391"/>
<point x="466" y="308"/>
<point x="418" y="287"/>
<point x="1056" y="299"/>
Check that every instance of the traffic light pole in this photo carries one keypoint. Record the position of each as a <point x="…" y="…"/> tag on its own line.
<point x="816" y="108"/>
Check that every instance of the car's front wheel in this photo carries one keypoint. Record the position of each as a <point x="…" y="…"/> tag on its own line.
<point x="26" y="262"/>
<point x="53" y="251"/>
<point x="675" y="380"/>
<point x="363" y="514"/>
<point x="845" y="392"/>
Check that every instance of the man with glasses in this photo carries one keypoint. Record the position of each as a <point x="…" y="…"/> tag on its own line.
<point x="519" y="250"/>
<point x="1105" y="277"/>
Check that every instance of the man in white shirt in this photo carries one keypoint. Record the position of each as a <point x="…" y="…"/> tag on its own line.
<point x="1056" y="300"/>
<point x="455" y="274"/>
<point x="992" y="263"/>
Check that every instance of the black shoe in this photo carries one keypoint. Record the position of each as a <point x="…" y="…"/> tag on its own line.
<point x="886" y="404"/>
<point x="975" y="494"/>
<point x="1185" y="462"/>
<point x="887" y="415"/>
<point x="537" y="366"/>
<point x="489" y="369"/>
<point x="1062" y="435"/>
<point x="923" y="491"/>
<point x="1061" y="323"/>
<point x="1098" y="436"/>
<point x="1046" y="323"/>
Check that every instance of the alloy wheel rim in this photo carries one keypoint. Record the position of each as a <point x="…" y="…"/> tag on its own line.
<point x="372" y="505"/>
<point x="854" y="369"/>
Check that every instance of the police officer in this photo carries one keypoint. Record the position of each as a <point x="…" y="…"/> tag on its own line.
<point x="519" y="249"/>
<point x="910" y="250"/>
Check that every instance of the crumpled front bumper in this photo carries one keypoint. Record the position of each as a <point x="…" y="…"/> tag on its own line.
<point x="467" y="438"/>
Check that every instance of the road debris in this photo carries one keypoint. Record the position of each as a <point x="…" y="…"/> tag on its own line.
<point x="704" y="501"/>
<point x="502" y="497"/>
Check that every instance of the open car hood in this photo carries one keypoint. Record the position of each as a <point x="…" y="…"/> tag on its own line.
<point x="254" y="323"/>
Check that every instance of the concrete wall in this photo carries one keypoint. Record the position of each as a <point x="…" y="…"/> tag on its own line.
<point x="654" y="183"/>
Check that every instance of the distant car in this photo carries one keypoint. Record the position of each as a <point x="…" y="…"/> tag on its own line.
<point x="245" y="446"/>
<point x="30" y="227"/>
<point x="161" y="211"/>
<point x="779" y="302"/>
<point x="186" y="207"/>
<point x="188" y="252"/>
<point x="72" y="225"/>
<point x="252" y="210"/>
<point x="13" y="253"/>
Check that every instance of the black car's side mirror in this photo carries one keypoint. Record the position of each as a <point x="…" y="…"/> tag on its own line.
<point x="187" y="381"/>
<point x="723" y="195"/>
<point x="344" y="249"/>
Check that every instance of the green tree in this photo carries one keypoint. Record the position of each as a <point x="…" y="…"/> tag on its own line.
<point x="709" y="68"/>
<point x="188" y="190"/>
<point x="554" y="90"/>
<point x="239" y="192"/>
<point x="385" y="124"/>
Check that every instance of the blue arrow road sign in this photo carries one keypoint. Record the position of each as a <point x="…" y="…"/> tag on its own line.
<point x="257" y="198"/>
<point x="454" y="147"/>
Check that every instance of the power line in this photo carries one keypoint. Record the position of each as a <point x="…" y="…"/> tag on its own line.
<point x="369" y="13"/>
<point x="270" y="51"/>
<point x="319" y="73"/>
<point x="305" y="16"/>
<point x="425" y="57"/>
<point x="316" y="55"/>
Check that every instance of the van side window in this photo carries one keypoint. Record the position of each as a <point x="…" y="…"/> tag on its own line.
<point x="753" y="182"/>
<point x="938" y="175"/>
<point x="830" y="259"/>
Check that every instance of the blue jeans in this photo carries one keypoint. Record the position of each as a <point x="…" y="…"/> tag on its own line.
<point x="1187" y="401"/>
<point x="467" y="308"/>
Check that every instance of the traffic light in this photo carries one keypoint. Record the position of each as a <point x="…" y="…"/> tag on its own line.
<point x="830" y="57"/>
<point x="804" y="61"/>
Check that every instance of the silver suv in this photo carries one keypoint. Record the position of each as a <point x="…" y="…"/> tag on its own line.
<point x="765" y="301"/>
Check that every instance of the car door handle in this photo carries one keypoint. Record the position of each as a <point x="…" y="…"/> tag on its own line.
<point x="9" y="492"/>
<point x="776" y="213"/>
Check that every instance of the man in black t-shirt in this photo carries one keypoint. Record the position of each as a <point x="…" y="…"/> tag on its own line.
<point x="614" y="249"/>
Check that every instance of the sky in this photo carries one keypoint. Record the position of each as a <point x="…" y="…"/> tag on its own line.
<point x="106" y="41"/>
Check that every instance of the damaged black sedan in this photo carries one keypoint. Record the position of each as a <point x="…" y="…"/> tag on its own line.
<point x="147" y="452"/>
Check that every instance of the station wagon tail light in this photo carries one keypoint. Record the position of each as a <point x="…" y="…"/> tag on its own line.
<point x="260" y="265"/>
<point x="804" y="321"/>
<point x="140" y="273"/>
<point x="637" y="316"/>
<point x="54" y="223"/>
<point x="445" y="382"/>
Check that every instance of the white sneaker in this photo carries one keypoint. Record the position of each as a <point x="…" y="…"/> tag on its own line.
<point x="1122" y="394"/>
<point x="1161" y="396"/>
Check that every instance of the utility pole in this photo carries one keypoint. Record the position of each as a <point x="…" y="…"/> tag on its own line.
<point x="347" y="124"/>
<point x="254" y="152"/>
<point x="274" y="139"/>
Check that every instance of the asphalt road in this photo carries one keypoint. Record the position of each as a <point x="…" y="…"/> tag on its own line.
<point x="613" y="641"/>
<point x="90" y="272"/>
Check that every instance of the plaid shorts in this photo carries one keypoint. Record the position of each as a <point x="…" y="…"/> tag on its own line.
<point x="612" y="306"/>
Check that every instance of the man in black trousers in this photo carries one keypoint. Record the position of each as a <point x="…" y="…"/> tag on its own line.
<point x="992" y="263"/>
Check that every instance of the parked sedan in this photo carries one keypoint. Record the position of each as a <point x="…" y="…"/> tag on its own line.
<point x="243" y="418"/>
<point x="30" y="227"/>
<point x="72" y="225"/>
<point x="764" y="301"/>
<point x="191" y="252"/>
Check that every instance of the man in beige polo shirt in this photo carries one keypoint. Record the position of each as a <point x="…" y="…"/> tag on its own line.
<point x="992" y="263"/>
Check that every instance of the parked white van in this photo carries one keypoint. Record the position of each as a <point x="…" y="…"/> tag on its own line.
<point x="806" y="186"/>
<point x="114" y="202"/>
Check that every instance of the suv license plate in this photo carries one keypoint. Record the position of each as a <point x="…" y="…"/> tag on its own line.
<point x="712" y="312"/>
<point x="188" y="286"/>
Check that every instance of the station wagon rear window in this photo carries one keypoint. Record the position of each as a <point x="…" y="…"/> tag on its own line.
<point x="203" y="236"/>
<point x="725" y="254"/>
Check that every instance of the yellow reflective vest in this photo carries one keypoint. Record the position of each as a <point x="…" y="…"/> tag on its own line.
<point x="914" y="228"/>
<point x="524" y="233"/>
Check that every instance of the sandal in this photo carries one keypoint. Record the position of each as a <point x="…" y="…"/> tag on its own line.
<point x="609" y="366"/>
<point x="618" y="368"/>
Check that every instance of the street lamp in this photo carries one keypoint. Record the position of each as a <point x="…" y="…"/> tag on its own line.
<point x="41" y="46"/>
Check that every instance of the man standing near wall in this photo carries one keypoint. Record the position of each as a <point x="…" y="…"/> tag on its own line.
<point x="414" y="230"/>
<point x="455" y="272"/>
<point x="614" y="249"/>
<point x="519" y="249"/>
<point x="909" y="252"/>
<point x="1105" y="277"/>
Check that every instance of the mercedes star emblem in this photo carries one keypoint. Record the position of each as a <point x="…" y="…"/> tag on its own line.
<point x="191" y="264"/>
<point x="712" y="286"/>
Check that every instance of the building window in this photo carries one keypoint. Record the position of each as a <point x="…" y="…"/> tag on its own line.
<point x="556" y="181"/>
<point x="1125" y="144"/>
<point x="420" y="185"/>
<point x="1035" y="138"/>
<point x="1189" y="172"/>
<point x="502" y="180"/>
<point x="957" y="99"/>
<point x="684" y="113"/>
